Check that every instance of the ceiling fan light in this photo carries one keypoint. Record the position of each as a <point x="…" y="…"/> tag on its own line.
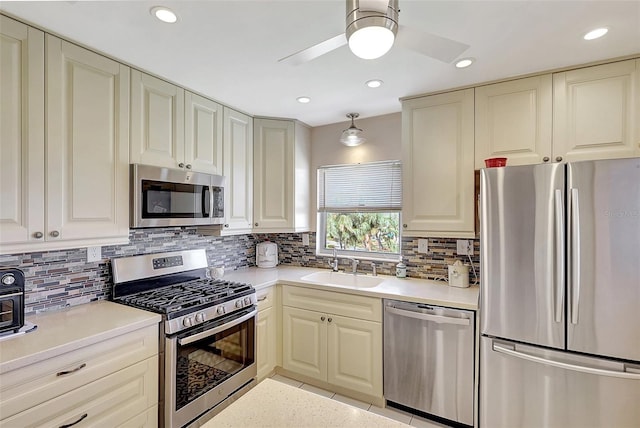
<point x="371" y="42"/>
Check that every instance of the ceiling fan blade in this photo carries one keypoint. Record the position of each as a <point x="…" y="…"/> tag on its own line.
<point x="315" y="51"/>
<point x="437" y="47"/>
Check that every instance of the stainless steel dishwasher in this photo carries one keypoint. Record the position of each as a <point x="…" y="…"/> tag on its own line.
<point x="429" y="359"/>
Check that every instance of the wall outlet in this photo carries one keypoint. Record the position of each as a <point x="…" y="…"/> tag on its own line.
<point x="423" y="246"/>
<point x="465" y="247"/>
<point x="305" y="239"/>
<point x="94" y="254"/>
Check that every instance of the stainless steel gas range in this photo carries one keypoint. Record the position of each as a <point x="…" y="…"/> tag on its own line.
<point x="208" y="344"/>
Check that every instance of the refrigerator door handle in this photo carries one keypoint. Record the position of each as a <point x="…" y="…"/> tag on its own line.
<point x="575" y="256"/>
<point x="510" y="350"/>
<point x="560" y="263"/>
<point x="440" y="319"/>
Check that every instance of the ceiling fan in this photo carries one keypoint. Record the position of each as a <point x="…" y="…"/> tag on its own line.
<point x="371" y="29"/>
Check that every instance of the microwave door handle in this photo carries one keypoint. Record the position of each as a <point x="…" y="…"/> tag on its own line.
<point x="559" y="249"/>
<point x="208" y="333"/>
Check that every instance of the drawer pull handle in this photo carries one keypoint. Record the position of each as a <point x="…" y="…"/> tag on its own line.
<point x="76" y="422"/>
<point x="262" y="299"/>
<point x="66" y="372"/>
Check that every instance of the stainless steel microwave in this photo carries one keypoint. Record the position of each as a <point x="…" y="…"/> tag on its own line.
<point x="173" y="197"/>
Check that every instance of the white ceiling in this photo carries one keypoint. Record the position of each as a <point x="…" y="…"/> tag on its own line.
<point x="229" y="50"/>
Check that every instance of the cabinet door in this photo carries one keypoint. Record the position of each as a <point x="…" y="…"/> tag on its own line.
<point x="21" y="132"/>
<point x="355" y="354"/>
<point x="273" y="174"/>
<point x="304" y="342"/>
<point x="513" y="120"/>
<point x="238" y="169"/>
<point x="203" y="134"/>
<point x="266" y="342"/>
<point x="596" y="112"/>
<point x="87" y="144"/>
<point x="157" y="121"/>
<point x="438" y="174"/>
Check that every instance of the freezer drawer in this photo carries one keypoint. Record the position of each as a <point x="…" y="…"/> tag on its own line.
<point x="429" y="359"/>
<point x="518" y="388"/>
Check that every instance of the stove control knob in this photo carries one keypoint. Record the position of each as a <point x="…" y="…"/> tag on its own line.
<point x="220" y="310"/>
<point x="200" y="317"/>
<point x="239" y="303"/>
<point x="187" y="322"/>
<point x="247" y="300"/>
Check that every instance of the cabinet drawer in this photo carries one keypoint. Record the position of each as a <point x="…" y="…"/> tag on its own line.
<point x="348" y="305"/>
<point x="266" y="297"/>
<point x="109" y="401"/>
<point x="29" y="386"/>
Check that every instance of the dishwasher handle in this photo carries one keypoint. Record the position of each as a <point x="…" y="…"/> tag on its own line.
<point x="440" y="319"/>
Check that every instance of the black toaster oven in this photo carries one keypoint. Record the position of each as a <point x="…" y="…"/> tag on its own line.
<point x="11" y="299"/>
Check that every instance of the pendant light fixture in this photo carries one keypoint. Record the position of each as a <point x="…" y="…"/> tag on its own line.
<point x="372" y="26"/>
<point x="352" y="136"/>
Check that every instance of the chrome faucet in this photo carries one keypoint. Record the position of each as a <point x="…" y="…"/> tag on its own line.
<point x="334" y="263"/>
<point x="354" y="266"/>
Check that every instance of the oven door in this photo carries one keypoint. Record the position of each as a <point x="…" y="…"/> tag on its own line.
<point x="206" y="365"/>
<point x="167" y="197"/>
<point x="11" y="311"/>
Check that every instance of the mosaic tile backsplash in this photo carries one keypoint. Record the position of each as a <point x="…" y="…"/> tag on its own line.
<point x="56" y="279"/>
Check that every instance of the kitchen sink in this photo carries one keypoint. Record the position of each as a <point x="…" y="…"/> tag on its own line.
<point x="343" y="279"/>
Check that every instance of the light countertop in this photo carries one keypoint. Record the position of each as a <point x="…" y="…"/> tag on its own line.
<point x="69" y="329"/>
<point x="407" y="289"/>
<point x="274" y="404"/>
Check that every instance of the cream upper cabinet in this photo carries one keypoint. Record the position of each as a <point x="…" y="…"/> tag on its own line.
<point x="596" y="112"/>
<point x="437" y="162"/>
<point x="157" y="121"/>
<point x="87" y="144"/>
<point x="72" y="191"/>
<point x="21" y="133"/>
<point x="513" y="120"/>
<point x="281" y="176"/>
<point x="238" y="169"/>
<point x="203" y="124"/>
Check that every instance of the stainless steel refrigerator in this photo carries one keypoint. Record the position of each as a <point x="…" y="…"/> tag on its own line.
<point x="560" y="295"/>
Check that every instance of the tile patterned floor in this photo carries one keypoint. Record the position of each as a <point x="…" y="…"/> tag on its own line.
<point x="389" y="412"/>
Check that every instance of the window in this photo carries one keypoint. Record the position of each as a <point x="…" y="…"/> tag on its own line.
<point x="359" y="210"/>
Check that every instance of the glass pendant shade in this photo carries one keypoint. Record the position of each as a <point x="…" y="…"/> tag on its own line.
<point x="352" y="136"/>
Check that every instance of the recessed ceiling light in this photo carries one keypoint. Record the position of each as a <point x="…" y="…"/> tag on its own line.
<point x="303" y="100"/>
<point x="465" y="62"/>
<point x="164" y="14"/>
<point x="375" y="83"/>
<point x="596" y="34"/>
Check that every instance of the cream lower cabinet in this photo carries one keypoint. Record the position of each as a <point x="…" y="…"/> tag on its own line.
<point x="281" y="178"/>
<point x="65" y="183"/>
<point x="437" y="161"/>
<point x="266" y="333"/>
<point x="321" y="341"/>
<point x="596" y="112"/>
<point x="111" y="383"/>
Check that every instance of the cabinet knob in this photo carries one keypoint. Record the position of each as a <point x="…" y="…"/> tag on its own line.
<point x="559" y="159"/>
<point x="55" y="233"/>
<point x="321" y="318"/>
<point x="226" y="225"/>
<point x="181" y="165"/>
<point x="38" y="235"/>
<point x="545" y="159"/>
<point x="188" y="166"/>
<point x="255" y="224"/>
<point x="404" y="225"/>
<point x="330" y="319"/>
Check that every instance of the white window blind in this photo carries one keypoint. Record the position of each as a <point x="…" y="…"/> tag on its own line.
<point x="367" y="187"/>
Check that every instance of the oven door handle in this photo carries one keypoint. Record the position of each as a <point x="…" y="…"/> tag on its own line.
<point x="216" y="330"/>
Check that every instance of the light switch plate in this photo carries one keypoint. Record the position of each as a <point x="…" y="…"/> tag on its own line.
<point x="305" y="239"/>
<point x="464" y="248"/>
<point x="423" y="246"/>
<point x="94" y="254"/>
